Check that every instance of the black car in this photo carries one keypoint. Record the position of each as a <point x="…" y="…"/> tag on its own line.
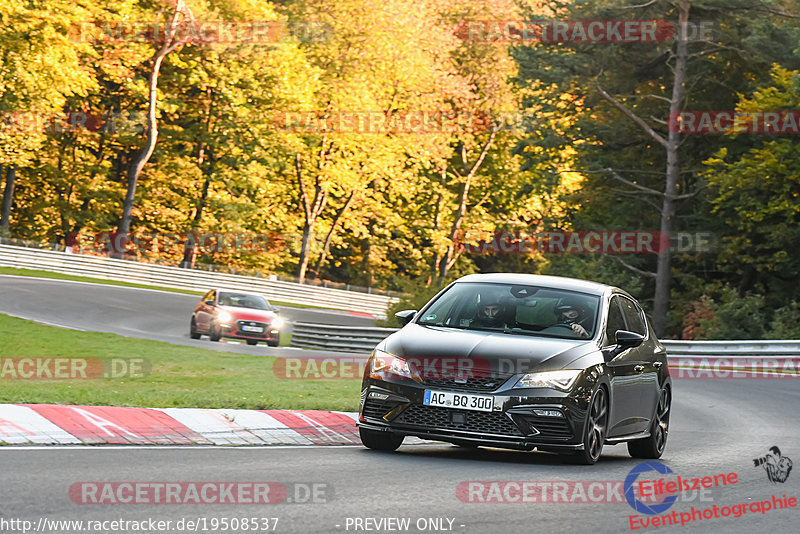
<point x="521" y="362"/>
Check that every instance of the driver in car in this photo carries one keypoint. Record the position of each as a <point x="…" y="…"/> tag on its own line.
<point x="574" y="316"/>
<point x="489" y="313"/>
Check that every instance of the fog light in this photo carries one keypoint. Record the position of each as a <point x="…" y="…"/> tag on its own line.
<point x="376" y="395"/>
<point x="548" y="413"/>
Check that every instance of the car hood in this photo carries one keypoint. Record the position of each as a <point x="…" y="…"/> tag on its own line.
<point x="250" y="314"/>
<point x="503" y="353"/>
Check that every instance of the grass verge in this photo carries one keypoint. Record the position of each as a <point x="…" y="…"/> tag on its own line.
<point x="185" y="377"/>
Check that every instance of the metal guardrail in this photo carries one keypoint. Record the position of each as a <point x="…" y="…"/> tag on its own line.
<point x="198" y="266"/>
<point x="733" y="349"/>
<point x="360" y="339"/>
<point x="177" y="278"/>
<point x="338" y="338"/>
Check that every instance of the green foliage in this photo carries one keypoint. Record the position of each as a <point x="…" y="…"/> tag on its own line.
<point x="417" y="297"/>
<point x="756" y="192"/>
<point x="395" y="204"/>
<point x="786" y="323"/>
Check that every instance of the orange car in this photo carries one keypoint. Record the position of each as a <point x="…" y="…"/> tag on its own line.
<point x="238" y="315"/>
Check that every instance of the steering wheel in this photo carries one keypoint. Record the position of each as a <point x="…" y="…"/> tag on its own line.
<point x="562" y="325"/>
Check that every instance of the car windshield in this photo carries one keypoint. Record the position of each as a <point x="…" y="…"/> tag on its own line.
<point x="514" y="309"/>
<point x="241" y="300"/>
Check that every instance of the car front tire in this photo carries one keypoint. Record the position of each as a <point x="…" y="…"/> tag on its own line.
<point x="274" y="343"/>
<point x="213" y="333"/>
<point x="252" y="342"/>
<point x="595" y="428"/>
<point x="380" y="441"/>
<point x="193" y="333"/>
<point x="653" y="446"/>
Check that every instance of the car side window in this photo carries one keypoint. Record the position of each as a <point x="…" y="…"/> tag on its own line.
<point x="633" y="316"/>
<point x="615" y="320"/>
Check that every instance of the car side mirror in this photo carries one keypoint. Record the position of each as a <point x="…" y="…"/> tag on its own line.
<point x="210" y="302"/>
<point x="404" y="317"/>
<point x="627" y="340"/>
<point x="624" y="340"/>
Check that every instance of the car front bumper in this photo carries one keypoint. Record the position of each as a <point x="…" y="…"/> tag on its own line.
<point x="235" y="332"/>
<point x="397" y="407"/>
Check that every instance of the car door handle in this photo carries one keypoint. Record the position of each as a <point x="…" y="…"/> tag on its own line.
<point x="638" y="368"/>
<point x="658" y="365"/>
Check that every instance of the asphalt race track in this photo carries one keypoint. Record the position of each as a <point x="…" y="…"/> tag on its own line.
<point x="140" y="313"/>
<point x="717" y="427"/>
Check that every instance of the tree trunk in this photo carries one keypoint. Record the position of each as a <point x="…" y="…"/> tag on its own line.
<point x="329" y="237"/>
<point x="434" y="272"/>
<point x="190" y="245"/>
<point x="1" y="201"/>
<point x="190" y="248"/>
<point x="312" y="207"/>
<point x="8" y="200"/>
<point x="141" y="159"/>
<point x="447" y="262"/>
<point x="366" y="254"/>
<point x="305" y="248"/>
<point x="663" y="275"/>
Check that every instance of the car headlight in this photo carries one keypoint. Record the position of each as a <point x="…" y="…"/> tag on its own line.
<point x="224" y="316"/>
<point x="384" y="364"/>
<point x="563" y="380"/>
<point x="277" y="322"/>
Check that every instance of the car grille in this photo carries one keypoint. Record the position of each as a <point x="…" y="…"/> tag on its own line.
<point x="432" y="417"/>
<point x="377" y="408"/>
<point x="550" y="427"/>
<point x="486" y="383"/>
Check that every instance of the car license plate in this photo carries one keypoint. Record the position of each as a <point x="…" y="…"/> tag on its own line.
<point x="463" y="401"/>
<point x="248" y="328"/>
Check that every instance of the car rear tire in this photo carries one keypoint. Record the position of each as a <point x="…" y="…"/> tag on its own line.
<point x="595" y="428"/>
<point x="380" y="441"/>
<point x="653" y="447"/>
<point x="252" y="342"/>
<point x="213" y="333"/>
<point x="193" y="333"/>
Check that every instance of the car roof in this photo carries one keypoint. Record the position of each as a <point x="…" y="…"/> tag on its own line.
<point x="540" y="280"/>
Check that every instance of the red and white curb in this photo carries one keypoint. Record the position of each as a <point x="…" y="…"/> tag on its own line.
<point x="25" y="424"/>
